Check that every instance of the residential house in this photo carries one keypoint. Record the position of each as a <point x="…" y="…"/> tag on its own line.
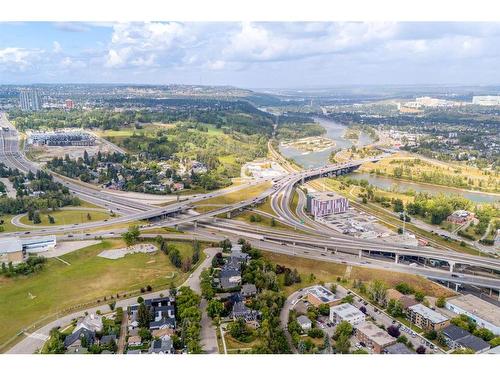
<point x="240" y="310"/>
<point x="475" y="343"/>
<point x="159" y="333"/>
<point x="80" y="337"/>
<point x="162" y="346"/>
<point x="230" y="274"/>
<point x="397" y="348"/>
<point x="107" y="340"/>
<point x="134" y="341"/>
<point x="457" y="338"/>
<point x="92" y="322"/>
<point x="248" y="290"/>
<point x="304" y="323"/>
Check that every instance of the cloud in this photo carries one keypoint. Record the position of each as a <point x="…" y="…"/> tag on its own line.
<point x="69" y="63"/>
<point x="18" y="59"/>
<point x="56" y="47"/>
<point x="260" y="53"/>
<point x="73" y="27"/>
<point x="146" y="44"/>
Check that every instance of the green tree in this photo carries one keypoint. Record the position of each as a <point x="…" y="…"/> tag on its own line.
<point x="132" y="235"/>
<point x="344" y="328"/>
<point x="143" y="316"/>
<point x="440" y="302"/>
<point x="377" y="291"/>
<point x="342" y="344"/>
<point x="214" y="308"/>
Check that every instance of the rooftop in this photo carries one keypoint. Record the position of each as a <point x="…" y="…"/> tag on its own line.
<point x="375" y="334"/>
<point x="454" y="332"/>
<point x="323" y="294"/>
<point x="325" y="195"/>
<point x="478" y="307"/>
<point x="398" y="348"/>
<point x="474" y="343"/>
<point x="302" y="319"/>
<point x="346" y="311"/>
<point x="428" y="314"/>
<point x="10" y="245"/>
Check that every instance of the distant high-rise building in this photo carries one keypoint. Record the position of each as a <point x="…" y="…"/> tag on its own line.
<point x="69" y="104"/>
<point x="29" y="100"/>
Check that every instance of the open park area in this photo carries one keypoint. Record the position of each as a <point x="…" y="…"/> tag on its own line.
<point x="81" y="280"/>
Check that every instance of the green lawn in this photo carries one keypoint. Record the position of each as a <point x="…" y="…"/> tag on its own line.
<point x="239" y="195"/>
<point x="65" y="217"/>
<point x="7" y="225"/>
<point x="89" y="278"/>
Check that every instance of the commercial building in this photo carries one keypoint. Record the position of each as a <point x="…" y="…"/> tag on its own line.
<point x="318" y="295"/>
<point x="487" y="100"/>
<point x="483" y="313"/>
<point x="15" y="249"/>
<point x="61" y="138"/>
<point x="346" y="312"/>
<point x="326" y="203"/>
<point x="69" y="104"/>
<point x="38" y="244"/>
<point x="426" y="318"/>
<point x="29" y="100"/>
<point x="373" y="336"/>
<point x="11" y="250"/>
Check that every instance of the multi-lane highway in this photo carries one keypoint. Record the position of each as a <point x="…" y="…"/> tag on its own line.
<point x="280" y="195"/>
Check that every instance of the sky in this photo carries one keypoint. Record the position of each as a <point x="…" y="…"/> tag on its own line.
<point x="251" y="55"/>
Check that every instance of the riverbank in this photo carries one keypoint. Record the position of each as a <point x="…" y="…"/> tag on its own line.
<point x="386" y="183"/>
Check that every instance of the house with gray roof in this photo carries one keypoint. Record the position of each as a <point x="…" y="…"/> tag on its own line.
<point x="80" y="337"/>
<point x="397" y="348"/>
<point x="248" y="290"/>
<point x="475" y="343"/>
<point x="304" y="322"/>
<point x="162" y="346"/>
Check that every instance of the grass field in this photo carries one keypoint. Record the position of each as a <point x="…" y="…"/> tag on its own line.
<point x="236" y="196"/>
<point x="479" y="180"/>
<point x="88" y="278"/>
<point x="234" y="346"/>
<point x="328" y="272"/>
<point x="7" y="224"/>
<point x="65" y="217"/>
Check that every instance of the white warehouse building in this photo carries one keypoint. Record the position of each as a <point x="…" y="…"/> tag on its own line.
<point x="485" y="314"/>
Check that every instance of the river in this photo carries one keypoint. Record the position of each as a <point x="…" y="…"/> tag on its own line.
<point x="335" y="131"/>
<point x="387" y="183"/>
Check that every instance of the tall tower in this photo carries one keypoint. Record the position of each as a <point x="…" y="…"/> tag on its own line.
<point x="29" y="100"/>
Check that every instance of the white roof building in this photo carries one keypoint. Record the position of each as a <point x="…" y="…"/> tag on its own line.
<point x="483" y="313"/>
<point x="346" y="312"/>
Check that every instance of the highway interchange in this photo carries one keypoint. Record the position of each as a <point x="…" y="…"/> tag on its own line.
<point x="311" y="239"/>
<point x="315" y="240"/>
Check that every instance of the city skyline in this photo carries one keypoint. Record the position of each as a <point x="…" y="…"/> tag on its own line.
<point x="251" y="55"/>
